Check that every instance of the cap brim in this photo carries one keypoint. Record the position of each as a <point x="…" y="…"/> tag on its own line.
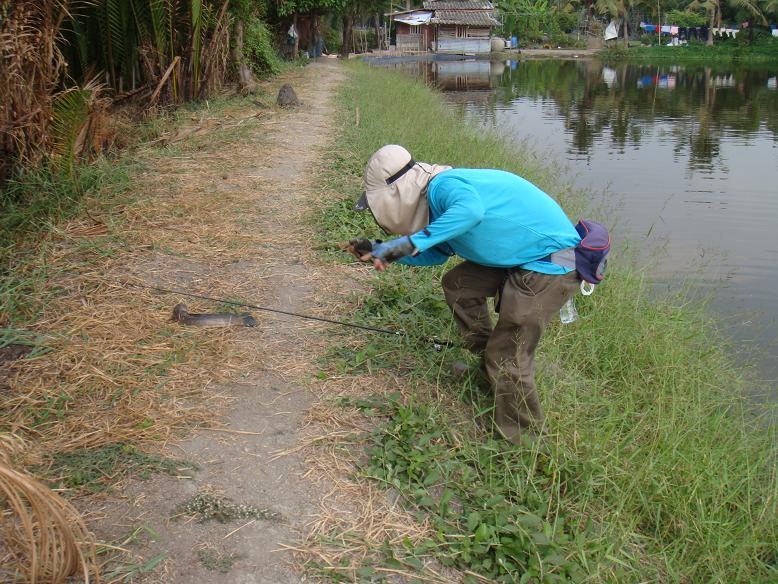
<point x="362" y="204"/>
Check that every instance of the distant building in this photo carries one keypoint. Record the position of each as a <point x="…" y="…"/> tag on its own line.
<point x="462" y="26"/>
<point x="412" y="31"/>
<point x="445" y="26"/>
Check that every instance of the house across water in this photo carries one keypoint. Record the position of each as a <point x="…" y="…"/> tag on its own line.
<point x="462" y="27"/>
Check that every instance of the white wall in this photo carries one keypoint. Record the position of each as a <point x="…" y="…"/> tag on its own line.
<point x="462" y="46"/>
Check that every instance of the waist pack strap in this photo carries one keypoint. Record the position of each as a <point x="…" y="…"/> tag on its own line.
<point x="563" y="257"/>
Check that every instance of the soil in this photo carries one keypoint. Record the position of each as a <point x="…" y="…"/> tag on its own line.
<point x="12" y="352"/>
<point x="252" y="458"/>
<point x="9" y="355"/>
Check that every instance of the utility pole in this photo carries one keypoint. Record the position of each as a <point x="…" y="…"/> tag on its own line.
<point x="658" y="24"/>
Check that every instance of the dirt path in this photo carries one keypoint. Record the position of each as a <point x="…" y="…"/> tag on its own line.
<point x="271" y="170"/>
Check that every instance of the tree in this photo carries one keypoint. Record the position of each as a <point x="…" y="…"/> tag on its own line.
<point x="293" y="8"/>
<point x="351" y="11"/>
<point x="525" y="18"/>
<point x="714" y="9"/>
<point x="618" y="9"/>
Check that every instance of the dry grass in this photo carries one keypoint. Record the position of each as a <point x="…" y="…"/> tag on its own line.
<point x="110" y="365"/>
<point x="357" y="521"/>
<point x="116" y="368"/>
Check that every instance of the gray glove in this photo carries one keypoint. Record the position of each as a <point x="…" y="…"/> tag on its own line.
<point x="393" y="250"/>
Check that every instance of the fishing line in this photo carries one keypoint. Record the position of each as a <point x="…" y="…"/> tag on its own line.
<point x="437" y="344"/>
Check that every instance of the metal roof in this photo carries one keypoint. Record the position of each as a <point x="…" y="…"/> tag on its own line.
<point x="464" y="17"/>
<point x="414" y="18"/>
<point x="458" y="5"/>
<point x="402" y="12"/>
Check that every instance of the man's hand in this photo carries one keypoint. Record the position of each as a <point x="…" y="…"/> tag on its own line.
<point x="390" y="251"/>
<point x="379" y="252"/>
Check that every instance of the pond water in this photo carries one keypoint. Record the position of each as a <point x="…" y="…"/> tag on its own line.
<point x="685" y="156"/>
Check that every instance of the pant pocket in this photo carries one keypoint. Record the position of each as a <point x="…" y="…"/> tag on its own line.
<point x="530" y="283"/>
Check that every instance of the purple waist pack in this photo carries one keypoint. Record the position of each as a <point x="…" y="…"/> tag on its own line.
<point x="591" y="254"/>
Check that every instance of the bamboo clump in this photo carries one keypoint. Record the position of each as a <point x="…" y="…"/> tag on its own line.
<point x="63" y="64"/>
<point x="32" y="69"/>
<point x="44" y="539"/>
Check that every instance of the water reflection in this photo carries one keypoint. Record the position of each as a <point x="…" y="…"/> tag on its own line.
<point x="703" y="105"/>
<point x="449" y="74"/>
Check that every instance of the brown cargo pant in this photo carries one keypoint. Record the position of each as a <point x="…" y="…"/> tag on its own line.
<point x="528" y="301"/>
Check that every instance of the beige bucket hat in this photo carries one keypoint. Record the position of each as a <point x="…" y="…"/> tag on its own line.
<point x="396" y="190"/>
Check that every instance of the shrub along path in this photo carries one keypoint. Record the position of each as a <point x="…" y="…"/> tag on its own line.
<point x="248" y="494"/>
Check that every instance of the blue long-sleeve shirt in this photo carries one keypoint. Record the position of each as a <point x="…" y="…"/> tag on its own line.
<point x="492" y="218"/>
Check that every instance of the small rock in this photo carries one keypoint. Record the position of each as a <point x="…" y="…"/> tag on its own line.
<point x="287" y="97"/>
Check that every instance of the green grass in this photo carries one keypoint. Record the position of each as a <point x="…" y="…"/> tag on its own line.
<point x="131" y="571"/>
<point x="655" y="469"/>
<point x="763" y="50"/>
<point x="36" y="197"/>
<point x="95" y="469"/>
<point x="215" y="560"/>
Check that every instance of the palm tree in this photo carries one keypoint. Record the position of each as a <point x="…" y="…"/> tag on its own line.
<point x="618" y="10"/>
<point x="713" y="8"/>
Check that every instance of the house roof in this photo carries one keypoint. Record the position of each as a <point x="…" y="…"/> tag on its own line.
<point x="464" y="17"/>
<point x="414" y="18"/>
<point x="402" y="12"/>
<point x="458" y="5"/>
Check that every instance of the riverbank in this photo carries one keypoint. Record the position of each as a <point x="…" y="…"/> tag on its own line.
<point x="764" y="51"/>
<point x="654" y="468"/>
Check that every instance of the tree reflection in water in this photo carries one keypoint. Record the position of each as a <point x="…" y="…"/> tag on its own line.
<point x="598" y="102"/>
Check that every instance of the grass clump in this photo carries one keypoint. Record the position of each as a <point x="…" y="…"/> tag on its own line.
<point x="39" y="195"/>
<point x="655" y="467"/>
<point x="95" y="469"/>
<point x="487" y="518"/>
<point x="207" y="507"/>
<point x="216" y="560"/>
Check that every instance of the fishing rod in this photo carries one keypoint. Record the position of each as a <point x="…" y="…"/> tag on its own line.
<point x="436" y="343"/>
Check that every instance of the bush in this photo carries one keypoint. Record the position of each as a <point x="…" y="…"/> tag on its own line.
<point x="333" y="40"/>
<point x="566" y="21"/>
<point x="566" y="41"/>
<point x="761" y="36"/>
<point x="258" y="50"/>
<point x="685" y="18"/>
